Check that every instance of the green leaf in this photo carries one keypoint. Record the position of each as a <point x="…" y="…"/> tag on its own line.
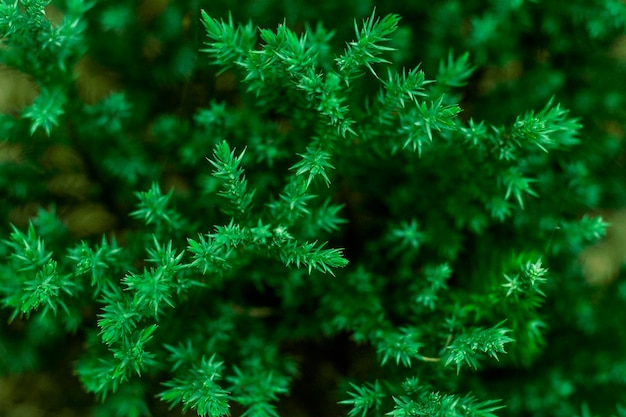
<point x="312" y="256"/>
<point x="364" y="398"/>
<point x="153" y="208"/>
<point x="46" y="110"/>
<point x="365" y="51"/>
<point x="465" y="348"/>
<point x="454" y="73"/>
<point x="228" y="169"/>
<point x="198" y="390"/>
<point x="230" y="45"/>
<point x="314" y="162"/>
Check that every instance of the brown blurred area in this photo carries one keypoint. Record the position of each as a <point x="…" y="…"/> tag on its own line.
<point x="67" y="179"/>
<point x="41" y="395"/>
<point x="602" y="262"/>
<point x="64" y="168"/>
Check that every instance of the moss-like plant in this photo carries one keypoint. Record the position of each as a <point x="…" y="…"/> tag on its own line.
<point x="199" y="220"/>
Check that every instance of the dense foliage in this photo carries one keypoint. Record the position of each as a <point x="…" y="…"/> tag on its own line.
<point x="317" y="216"/>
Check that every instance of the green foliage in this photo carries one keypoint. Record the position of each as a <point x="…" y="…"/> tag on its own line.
<point x="438" y="405"/>
<point x="464" y="348"/>
<point x="227" y="168"/>
<point x="212" y="215"/>
<point x="199" y="390"/>
<point x="366" y="51"/>
<point x="364" y="398"/>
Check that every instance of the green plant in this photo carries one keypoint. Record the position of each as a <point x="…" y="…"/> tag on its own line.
<point x="335" y="196"/>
